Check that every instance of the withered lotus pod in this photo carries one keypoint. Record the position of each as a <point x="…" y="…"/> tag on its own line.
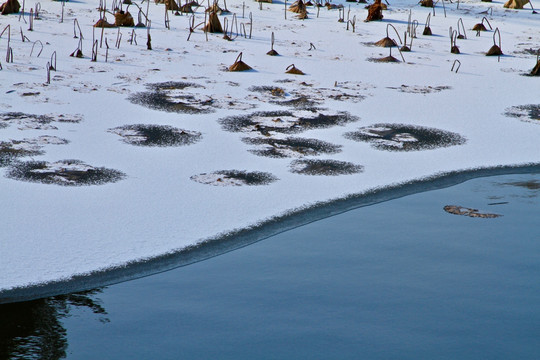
<point x="239" y="65"/>
<point x="213" y="25"/>
<point x="123" y="18"/>
<point x="375" y="11"/>
<point x="291" y="69"/>
<point x="10" y="7"/>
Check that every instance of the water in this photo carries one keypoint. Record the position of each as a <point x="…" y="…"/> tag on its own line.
<point x="397" y="280"/>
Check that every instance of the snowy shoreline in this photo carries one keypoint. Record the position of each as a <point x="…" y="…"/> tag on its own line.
<point x="243" y="237"/>
<point x="364" y="125"/>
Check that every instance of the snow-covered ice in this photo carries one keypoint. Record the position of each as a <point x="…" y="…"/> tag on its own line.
<point x="51" y="232"/>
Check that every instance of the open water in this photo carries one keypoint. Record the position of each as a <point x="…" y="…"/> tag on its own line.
<point x="402" y="279"/>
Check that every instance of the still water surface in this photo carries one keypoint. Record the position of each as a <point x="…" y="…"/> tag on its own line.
<point x="401" y="279"/>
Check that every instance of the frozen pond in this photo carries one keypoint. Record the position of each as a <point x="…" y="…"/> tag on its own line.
<point x="402" y="279"/>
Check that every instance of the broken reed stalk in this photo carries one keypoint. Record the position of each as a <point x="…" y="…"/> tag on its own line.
<point x="427" y="29"/>
<point x="460" y="35"/>
<point x="536" y="69"/>
<point x="205" y="28"/>
<point x="36" y="12"/>
<point x="23" y="37"/>
<point x="409" y="20"/>
<point x="272" y="52"/>
<point x="444" y="8"/>
<point x="133" y="37"/>
<point x="453" y="37"/>
<point x="94" y="51"/>
<point x="31" y="20"/>
<point x="341" y="17"/>
<point x="235" y="23"/>
<point x="454" y="64"/>
<point x="243" y="27"/>
<point x="225" y="28"/>
<point x="406" y="48"/>
<point x="400" y="53"/>
<point x="40" y="43"/>
<point x="22" y="13"/>
<point x="353" y="23"/>
<point x="149" y="38"/>
<point x="415" y="24"/>
<point x="52" y="63"/>
<point x="102" y="31"/>
<point x="118" y="40"/>
<point x="146" y="15"/>
<point x="106" y="50"/>
<point x="9" y="55"/>
<point x="78" y="52"/>
<point x="8" y="28"/>
<point x="250" y="24"/>
<point x="48" y="73"/>
<point x="62" y="18"/>
<point x="167" y="20"/>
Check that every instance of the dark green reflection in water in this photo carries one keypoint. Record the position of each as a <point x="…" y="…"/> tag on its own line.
<point x="33" y="329"/>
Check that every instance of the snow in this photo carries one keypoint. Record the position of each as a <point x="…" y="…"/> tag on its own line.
<point x="52" y="232"/>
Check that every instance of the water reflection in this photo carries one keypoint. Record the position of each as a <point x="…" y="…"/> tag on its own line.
<point x="34" y="330"/>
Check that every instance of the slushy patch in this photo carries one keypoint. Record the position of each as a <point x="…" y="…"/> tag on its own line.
<point x="155" y="135"/>
<point x="529" y="113"/>
<point x="290" y="147"/>
<point x="14" y="149"/>
<point x="400" y="137"/>
<point x="234" y="178"/>
<point x="324" y="167"/>
<point x="417" y="89"/>
<point x="285" y="122"/>
<point x="178" y="97"/>
<point x="301" y="95"/>
<point x="64" y="172"/>
<point x="36" y="122"/>
<point x="9" y="152"/>
<point x="274" y="91"/>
